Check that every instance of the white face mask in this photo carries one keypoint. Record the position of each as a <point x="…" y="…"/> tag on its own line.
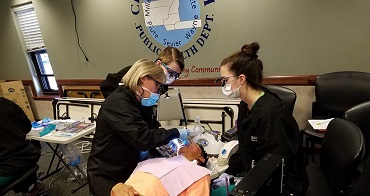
<point x="171" y="75"/>
<point x="169" y="78"/>
<point x="229" y="92"/>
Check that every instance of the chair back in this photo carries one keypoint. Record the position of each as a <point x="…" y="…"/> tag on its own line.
<point x="360" y="115"/>
<point x="22" y="183"/>
<point x="336" y="92"/>
<point x="170" y="106"/>
<point x="341" y="152"/>
<point x="288" y="96"/>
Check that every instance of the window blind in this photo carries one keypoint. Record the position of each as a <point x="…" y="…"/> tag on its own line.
<point x="29" y="26"/>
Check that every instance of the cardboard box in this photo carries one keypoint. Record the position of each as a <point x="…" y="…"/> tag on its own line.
<point x="15" y="92"/>
<point x="83" y="92"/>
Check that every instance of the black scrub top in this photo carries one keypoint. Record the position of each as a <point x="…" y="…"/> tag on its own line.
<point x="269" y="127"/>
<point x="123" y="128"/>
<point x="17" y="155"/>
<point x="111" y="81"/>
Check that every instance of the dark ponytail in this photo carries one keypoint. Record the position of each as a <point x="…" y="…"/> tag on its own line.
<point x="246" y="62"/>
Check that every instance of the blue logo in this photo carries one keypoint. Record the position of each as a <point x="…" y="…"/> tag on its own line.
<point x="172" y="22"/>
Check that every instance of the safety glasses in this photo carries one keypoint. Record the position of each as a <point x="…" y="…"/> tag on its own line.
<point x="172" y="72"/>
<point x="159" y="85"/>
<point x="223" y="80"/>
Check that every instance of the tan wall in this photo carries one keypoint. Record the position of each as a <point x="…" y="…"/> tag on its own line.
<point x="296" y="37"/>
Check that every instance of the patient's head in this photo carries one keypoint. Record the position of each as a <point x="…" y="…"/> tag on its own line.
<point x="194" y="152"/>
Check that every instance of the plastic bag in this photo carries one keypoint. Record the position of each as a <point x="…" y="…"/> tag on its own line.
<point x="71" y="154"/>
<point x="73" y="157"/>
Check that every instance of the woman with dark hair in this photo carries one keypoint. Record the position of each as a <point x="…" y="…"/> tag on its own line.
<point x="265" y="125"/>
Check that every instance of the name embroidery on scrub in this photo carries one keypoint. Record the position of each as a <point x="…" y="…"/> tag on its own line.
<point x="254" y="138"/>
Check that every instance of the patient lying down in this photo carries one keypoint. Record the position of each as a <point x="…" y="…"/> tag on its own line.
<point x="179" y="175"/>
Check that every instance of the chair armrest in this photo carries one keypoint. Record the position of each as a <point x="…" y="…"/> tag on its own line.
<point x="268" y="172"/>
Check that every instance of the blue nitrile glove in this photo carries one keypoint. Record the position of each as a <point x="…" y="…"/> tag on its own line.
<point x="143" y="155"/>
<point x="221" y="181"/>
<point x="184" y="134"/>
<point x="35" y="124"/>
<point x="46" y="120"/>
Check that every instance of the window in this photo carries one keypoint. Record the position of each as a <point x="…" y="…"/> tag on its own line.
<point x="35" y="47"/>
<point x="44" y="70"/>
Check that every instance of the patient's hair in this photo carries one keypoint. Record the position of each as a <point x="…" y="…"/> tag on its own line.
<point x="204" y="155"/>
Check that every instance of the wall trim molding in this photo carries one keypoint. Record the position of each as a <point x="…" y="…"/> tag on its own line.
<point x="297" y="80"/>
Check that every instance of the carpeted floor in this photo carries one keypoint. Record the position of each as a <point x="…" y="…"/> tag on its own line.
<point x="62" y="182"/>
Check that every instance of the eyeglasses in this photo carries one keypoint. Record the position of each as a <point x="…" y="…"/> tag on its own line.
<point x="172" y="72"/>
<point x="223" y="80"/>
<point x="159" y="85"/>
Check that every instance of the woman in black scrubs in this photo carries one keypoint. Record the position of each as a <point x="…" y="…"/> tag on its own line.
<point x="125" y="127"/>
<point x="265" y="125"/>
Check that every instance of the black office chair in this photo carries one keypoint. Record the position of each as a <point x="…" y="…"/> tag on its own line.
<point x="335" y="93"/>
<point x="360" y="115"/>
<point x="341" y="152"/>
<point x="288" y="96"/>
<point x="23" y="183"/>
<point x="362" y="187"/>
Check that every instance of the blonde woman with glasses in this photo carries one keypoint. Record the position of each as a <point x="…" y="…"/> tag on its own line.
<point x="125" y="127"/>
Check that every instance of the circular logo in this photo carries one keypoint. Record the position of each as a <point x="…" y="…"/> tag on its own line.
<point x="184" y="24"/>
<point x="172" y="23"/>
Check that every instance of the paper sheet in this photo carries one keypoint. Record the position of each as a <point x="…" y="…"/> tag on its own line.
<point x="175" y="173"/>
<point x="321" y="124"/>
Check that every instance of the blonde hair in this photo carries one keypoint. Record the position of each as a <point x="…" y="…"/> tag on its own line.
<point x="141" y="68"/>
